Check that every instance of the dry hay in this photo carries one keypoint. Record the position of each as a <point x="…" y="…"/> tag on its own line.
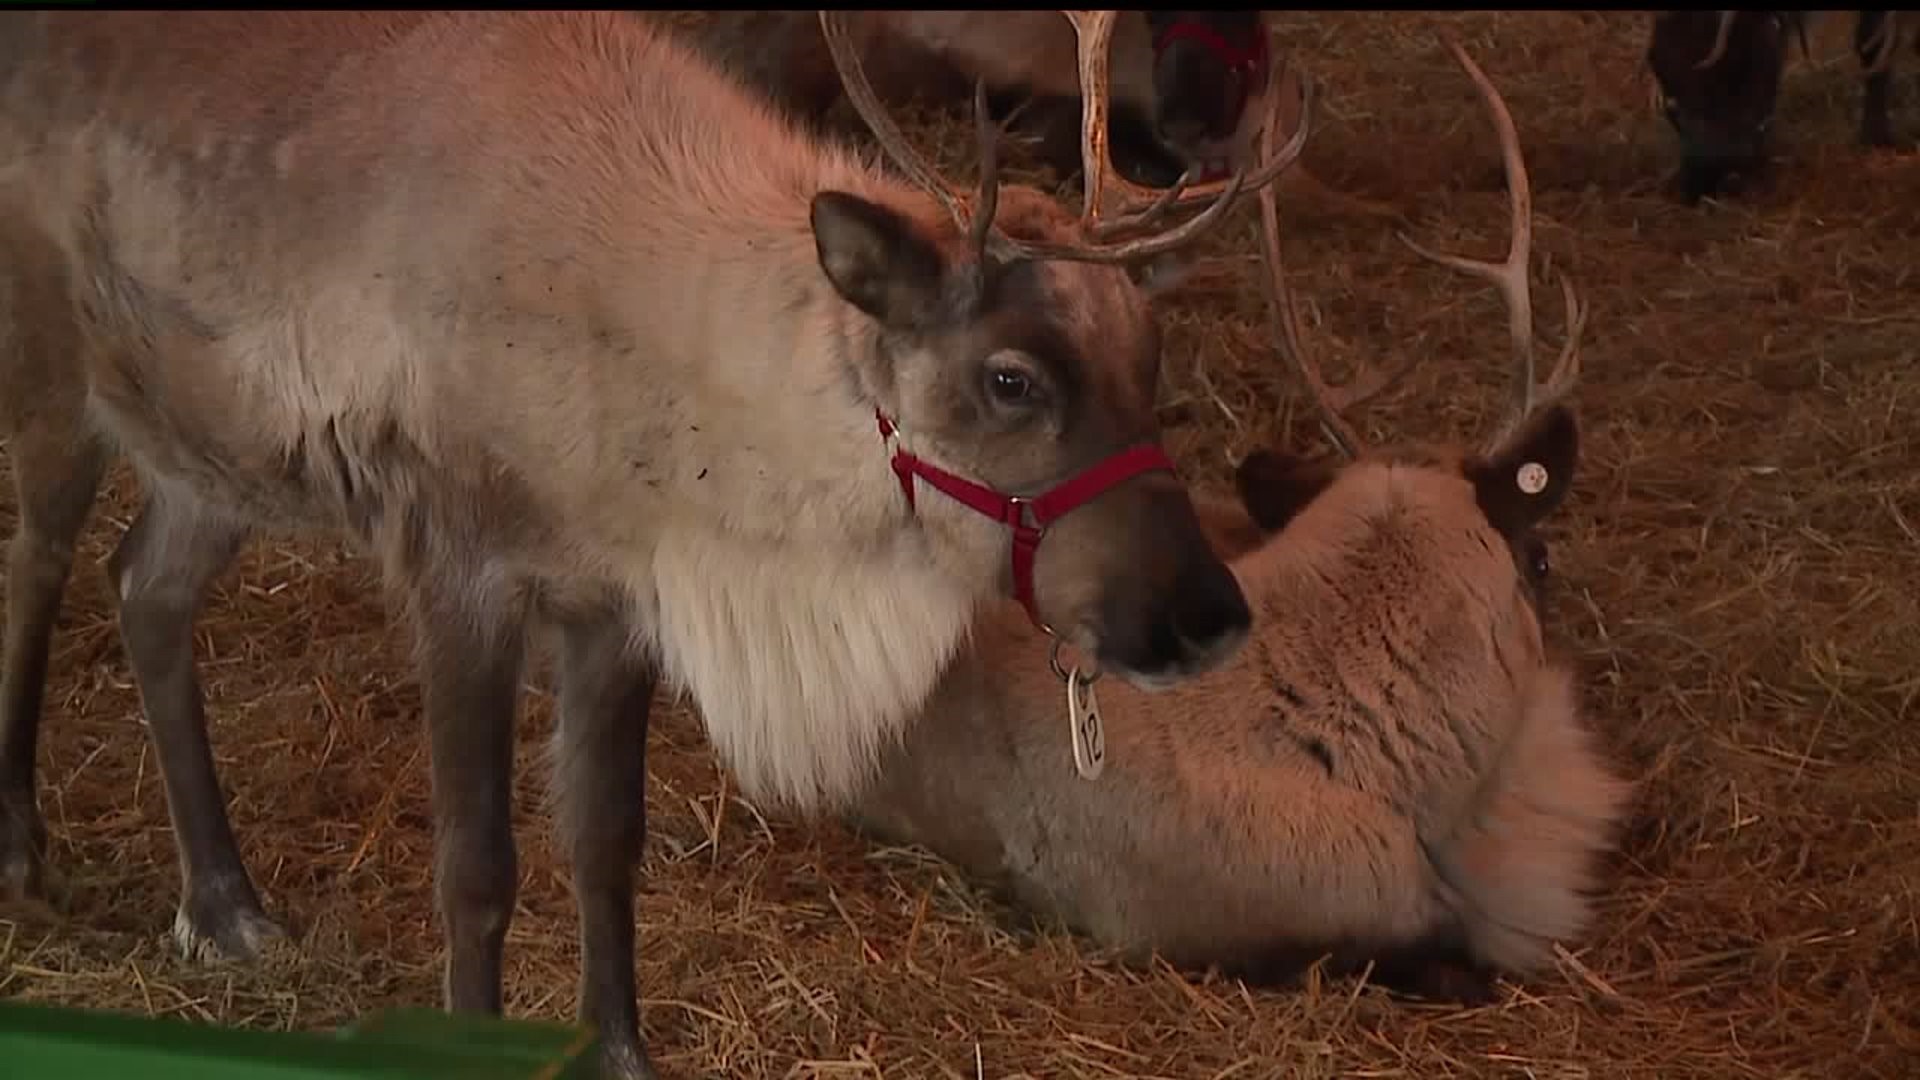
<point x="1737" y="577"/>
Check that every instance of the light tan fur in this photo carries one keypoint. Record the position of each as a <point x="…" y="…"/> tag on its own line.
<point x="1393" y="757"/>
<point x="585" y="291"/>
<point x="1393" y="769"/>
<point x="581" y="340"/>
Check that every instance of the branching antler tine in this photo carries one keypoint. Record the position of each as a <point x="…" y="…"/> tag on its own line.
<point x="1285" y="319"/>
<point x="1093" y="38"/>
<point x="988" y="202"/>
<point x="1286" y="334"/>
<point x="1566" y="367"/>
<point x="1720" y="37"/>
<point x="1093" y="32"/>
<point x="1191" y="229"/>
<point x="1167" y="200"/>
<point x="1289" y="152"/>
<point x="1511" y="275"/>
<point x="853" y="76"/>
<point x="1220" y="192"/>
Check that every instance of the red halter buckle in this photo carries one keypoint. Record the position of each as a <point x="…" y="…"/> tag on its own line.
<point x="1026" y="516"/>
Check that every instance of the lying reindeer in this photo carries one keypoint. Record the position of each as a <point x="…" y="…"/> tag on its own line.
<point x="1718" y="76"/>
<point x="1394" y="770"/>
<point x="573" y="333"/>
<point x="1182" y="80"/>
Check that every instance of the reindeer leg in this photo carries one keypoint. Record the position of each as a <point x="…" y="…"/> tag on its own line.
<point x="162" y="568"/>
<point x="1876" y="130"/>
<point x="57" y="467"/>
<point x="599" y="790"/>
<point x="471" y="641"/>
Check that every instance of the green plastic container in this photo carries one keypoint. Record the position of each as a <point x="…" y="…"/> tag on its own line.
<point x="38" y="1041"/>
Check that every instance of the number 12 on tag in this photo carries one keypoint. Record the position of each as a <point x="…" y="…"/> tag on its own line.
<point x="1083" y="720"/>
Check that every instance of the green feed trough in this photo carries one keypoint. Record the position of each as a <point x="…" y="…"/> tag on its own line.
<point x="38" y="1041"/>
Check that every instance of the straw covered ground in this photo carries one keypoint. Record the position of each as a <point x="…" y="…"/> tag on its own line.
<point x="1738" y="577"/>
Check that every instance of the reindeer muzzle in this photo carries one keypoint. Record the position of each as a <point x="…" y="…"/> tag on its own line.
<point x="1246" y="66"/>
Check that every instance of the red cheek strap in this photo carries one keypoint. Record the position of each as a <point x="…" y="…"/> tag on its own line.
<point x="1026" y="516"/>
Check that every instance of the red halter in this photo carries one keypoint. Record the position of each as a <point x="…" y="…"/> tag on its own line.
<point x="1027" y="516"/>
<point x="1250" y="63"/>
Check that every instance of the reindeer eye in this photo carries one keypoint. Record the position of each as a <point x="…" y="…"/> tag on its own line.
<point x="1009" y="387"/>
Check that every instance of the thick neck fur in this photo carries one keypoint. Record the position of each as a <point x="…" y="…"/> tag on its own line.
<point x="573" y="273"/>
<point x="786" y="585"/>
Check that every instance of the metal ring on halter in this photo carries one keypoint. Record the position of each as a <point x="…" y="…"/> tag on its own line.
<point x="1053" y="658"/>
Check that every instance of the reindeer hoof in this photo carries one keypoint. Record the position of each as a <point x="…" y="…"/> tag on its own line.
<point x="208" y="932"/>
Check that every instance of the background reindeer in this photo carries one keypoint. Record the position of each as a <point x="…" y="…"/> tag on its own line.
<point x="1718" y="76"/>
<point x="571" y="333"/>
<point x="1182" y="80"/>
<point x="1393" y="771"/>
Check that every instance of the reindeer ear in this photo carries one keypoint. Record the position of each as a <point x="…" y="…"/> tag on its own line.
<point x="1526" y="479"/>
<point x="877" y="259"/>
<point x="1276" y="486"/>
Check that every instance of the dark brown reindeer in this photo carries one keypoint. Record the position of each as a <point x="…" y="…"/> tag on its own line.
<point x="1718" y="77"/>
<point x="1182" y="80"/>
<point x="1394" y="770"/>
<point x="572" y="334"/>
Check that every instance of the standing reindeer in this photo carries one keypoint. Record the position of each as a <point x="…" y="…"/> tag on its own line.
<point x="1718" y="76"/>
<point x="1182" y="80"/>
<point x="570" y="332"/>
<point x="1393" y="770"/>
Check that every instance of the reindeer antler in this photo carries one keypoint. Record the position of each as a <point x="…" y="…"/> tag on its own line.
<point x="1510" y="275"/>
<point x="1093" y="31"/>
<point x="1137" y="208"/>
<point x="978" y="225"/>
<point x="1333" y="401"/>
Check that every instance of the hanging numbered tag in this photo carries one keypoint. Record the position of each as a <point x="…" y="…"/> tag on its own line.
<point x="1083" y="717"/>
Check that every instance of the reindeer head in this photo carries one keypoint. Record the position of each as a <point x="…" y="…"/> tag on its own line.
<point x="1719" y="75"/>
<point x="1016" y="373"/>
<point x="1469" y="502"/>
<point x="1207" y="65"/>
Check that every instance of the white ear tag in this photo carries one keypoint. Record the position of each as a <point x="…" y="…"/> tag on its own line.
<point x="1083" y="719"/>
<point x="1532" y="478"/>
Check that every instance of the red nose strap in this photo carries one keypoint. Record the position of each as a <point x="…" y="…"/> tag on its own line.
<point x="1249" y="64"/>
<point x="1027" y="517"/>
